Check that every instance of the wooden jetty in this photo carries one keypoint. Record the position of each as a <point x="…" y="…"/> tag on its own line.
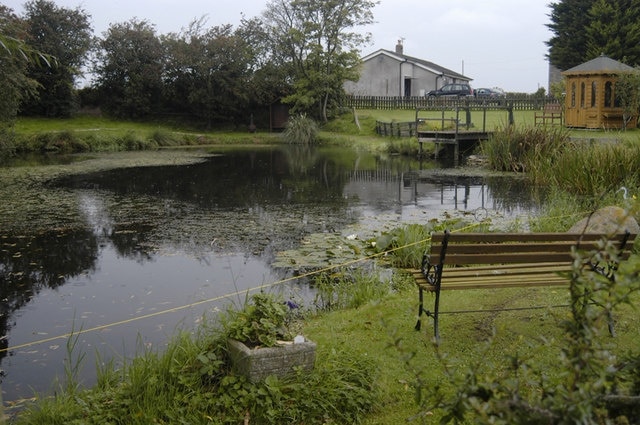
<point x="453" y="138"/>
<point x="462" y="133"/>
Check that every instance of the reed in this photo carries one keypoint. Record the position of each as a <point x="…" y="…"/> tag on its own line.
<point x="592" y="170"/>
<point x="527" y="150"/>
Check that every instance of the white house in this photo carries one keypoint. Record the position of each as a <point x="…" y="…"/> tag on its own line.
<point x="388" y="73"/>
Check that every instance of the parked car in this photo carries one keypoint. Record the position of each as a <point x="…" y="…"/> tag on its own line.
<point x="455" y="89"/>
<point x="489" y="93"/>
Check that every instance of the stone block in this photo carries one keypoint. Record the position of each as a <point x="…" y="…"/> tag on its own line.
<point x="258" y="363"/>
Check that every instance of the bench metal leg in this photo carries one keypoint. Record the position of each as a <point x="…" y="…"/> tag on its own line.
<point x="428" y="313"/>
<point x="436" y="309"/>
<point x="420" y="308"/>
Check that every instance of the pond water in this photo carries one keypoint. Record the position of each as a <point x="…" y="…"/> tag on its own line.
<point x="122" y="258"/>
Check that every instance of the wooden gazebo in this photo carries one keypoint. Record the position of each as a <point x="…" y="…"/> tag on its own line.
<point x="591" y="100"/>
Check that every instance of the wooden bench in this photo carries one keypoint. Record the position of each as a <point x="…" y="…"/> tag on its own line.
<point x="551" y="112"/>
<point x="506" y="260"/>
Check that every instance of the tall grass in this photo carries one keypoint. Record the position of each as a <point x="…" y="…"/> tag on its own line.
<point x="525" y="150"/>
<point x="589" y="170"/>
<point x="592" y="170"/>
<point x="349" y="289"/>
<point x="301" y="129"/>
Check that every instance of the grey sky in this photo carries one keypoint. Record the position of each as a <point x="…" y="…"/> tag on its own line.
<point x="496" y="42"/>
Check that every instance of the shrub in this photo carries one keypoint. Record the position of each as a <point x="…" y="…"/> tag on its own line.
<point x="301" y="129"/>
<point x="57" y="141"/>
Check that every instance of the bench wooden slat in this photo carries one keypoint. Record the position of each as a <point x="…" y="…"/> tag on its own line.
<point x="498" y="258"/>
<point x="562" y="246"/>
<point x="507" y="282"/>
<point x="520" y="237"/>
<point x="506" y="269"/>
<point x="509" y="276"/>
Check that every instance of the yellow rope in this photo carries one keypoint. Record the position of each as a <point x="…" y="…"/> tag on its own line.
<point x="221" y="297"/>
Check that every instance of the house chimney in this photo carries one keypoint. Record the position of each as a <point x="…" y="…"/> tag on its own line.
<point x="399" y="49"/>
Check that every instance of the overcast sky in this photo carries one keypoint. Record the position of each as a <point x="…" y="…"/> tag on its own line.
<point x="497" y="43"/>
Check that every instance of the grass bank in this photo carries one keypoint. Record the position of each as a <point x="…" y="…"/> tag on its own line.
<point x="97" y="134"/>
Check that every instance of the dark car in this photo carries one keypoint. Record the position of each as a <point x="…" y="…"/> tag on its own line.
<point x="484" y="93"/>
<point x="455" y="89"/>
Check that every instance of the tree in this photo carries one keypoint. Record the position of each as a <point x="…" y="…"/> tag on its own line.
<point x="627" y="92"/>
<point x="585" y="29"/>
<point x="568" y="46"/>
<point x="67" y="35"/>
<point x="614" y="30"/>
<point x="129" y="68"/>
<point x="15" y="86"/>
<point x="208" y="72"/>
<point x="268" y="79"/>
<point x="317" y="43"/>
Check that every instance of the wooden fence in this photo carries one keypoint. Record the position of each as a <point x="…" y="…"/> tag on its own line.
<point x="526" y="103"/>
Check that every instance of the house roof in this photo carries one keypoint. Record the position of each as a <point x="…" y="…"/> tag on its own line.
<point x="430" y="66"/>
<point x="601" y="65"/>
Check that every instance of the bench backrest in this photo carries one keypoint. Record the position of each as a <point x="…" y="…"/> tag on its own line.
<point x="552" y="108"/>
<point x="507" y="248"/>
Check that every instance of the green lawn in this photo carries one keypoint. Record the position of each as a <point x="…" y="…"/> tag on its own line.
<point x="384" y="331"/>
<point x="490" y="121"/>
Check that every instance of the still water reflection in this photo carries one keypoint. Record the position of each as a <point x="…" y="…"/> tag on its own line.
<point x="152" y="249"/>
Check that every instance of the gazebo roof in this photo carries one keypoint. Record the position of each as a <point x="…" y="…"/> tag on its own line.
<point x="600" y="65"/>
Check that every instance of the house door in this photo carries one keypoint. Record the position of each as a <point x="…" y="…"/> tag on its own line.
<point x="407" y="87"/>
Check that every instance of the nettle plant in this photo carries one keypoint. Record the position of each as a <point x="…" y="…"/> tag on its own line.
<point x="263" y="321"/>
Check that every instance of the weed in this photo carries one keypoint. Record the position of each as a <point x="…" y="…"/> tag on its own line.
<point x="408" y="244"/>
<point x="263" y="321"/>
<point x="73" y="363"/>
<point x="162" y="137"/>
<point x="404" y="146"/>
<point x="349" y="289"/>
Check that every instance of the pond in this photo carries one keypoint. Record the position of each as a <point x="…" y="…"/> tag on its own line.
<point x="113" y="254"/>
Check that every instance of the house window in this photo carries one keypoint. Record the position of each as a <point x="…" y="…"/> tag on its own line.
<point x="573" y="95"/>
<point x="582" y="94"/>
<point x="608" y="94"/>
<point x="593" y="94"/>
<point x="616" y="97"/>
